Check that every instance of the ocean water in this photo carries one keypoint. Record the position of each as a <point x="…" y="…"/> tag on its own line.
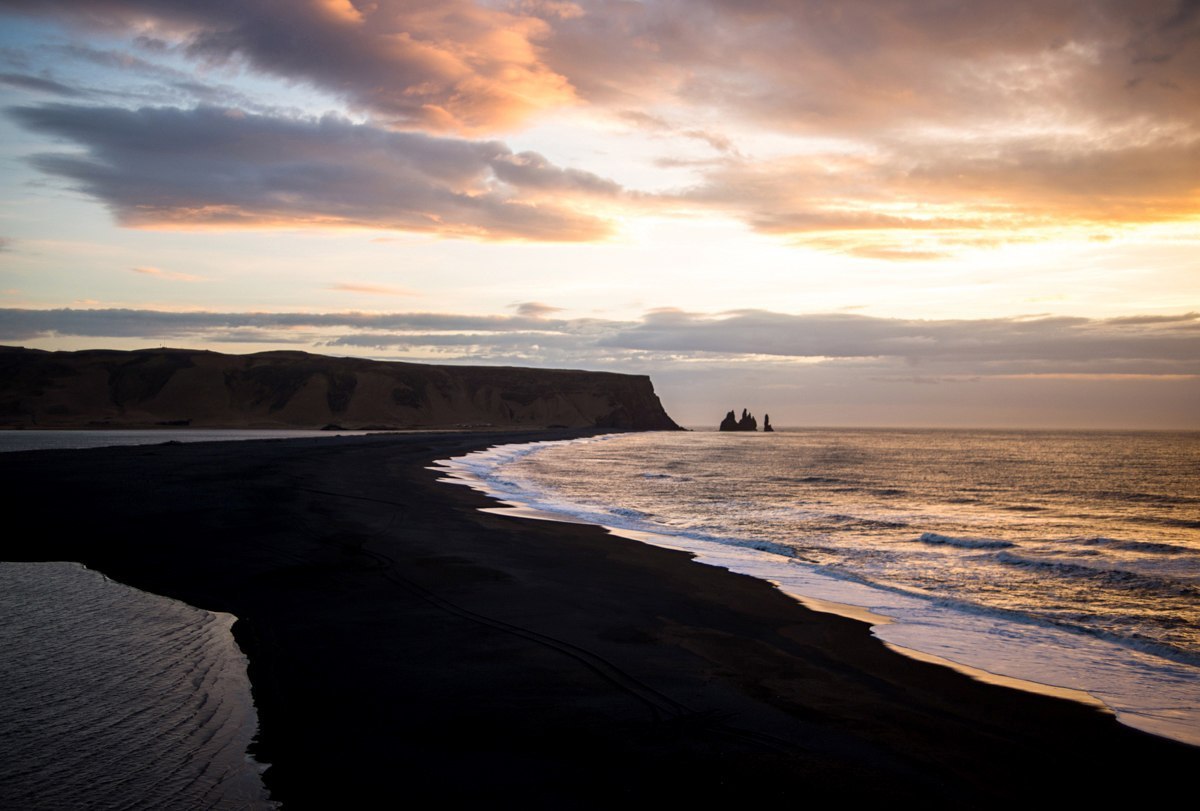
<point x="1069" y="561"/>
<point x="64" y="440"/>
<point x="115" y="698"/>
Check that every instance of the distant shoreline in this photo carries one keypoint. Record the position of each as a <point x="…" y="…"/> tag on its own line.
<point x="399" y="638"/>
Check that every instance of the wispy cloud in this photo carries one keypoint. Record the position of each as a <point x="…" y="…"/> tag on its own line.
<point x="660" y="126"/>
<point x="535" y="309"/>
<point x="167" y="274"/>
<point x="39" y="84"/>
<point x="372" y="289"/>
<point x="1153" y="345"/>
<point x="1066" y="344"/>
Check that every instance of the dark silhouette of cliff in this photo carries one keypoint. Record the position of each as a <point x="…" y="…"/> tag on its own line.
<point x="183" y="387"/>
<point x="746" y="423"/>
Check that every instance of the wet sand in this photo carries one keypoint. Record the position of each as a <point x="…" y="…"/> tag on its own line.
<point x="402" y="642"/>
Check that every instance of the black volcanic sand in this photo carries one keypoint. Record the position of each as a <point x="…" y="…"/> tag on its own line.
<point x="405" y="647"/>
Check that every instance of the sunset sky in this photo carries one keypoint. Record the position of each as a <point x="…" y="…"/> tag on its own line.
<point x="842" y="213"/>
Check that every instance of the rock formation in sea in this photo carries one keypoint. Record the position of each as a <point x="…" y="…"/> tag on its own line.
<point x="199" y="389"/>
<point x="746" y="423"/>
<point x="767" y="424"/>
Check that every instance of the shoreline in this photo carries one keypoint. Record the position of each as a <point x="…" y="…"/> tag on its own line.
<point x="1083" y="675"/>
<point x="400" y="637"/>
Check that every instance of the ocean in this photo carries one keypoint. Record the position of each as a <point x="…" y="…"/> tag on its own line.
<point x="1061" y="562"/>
<point x="115" y="698"/>
<point x="39" y="440"/>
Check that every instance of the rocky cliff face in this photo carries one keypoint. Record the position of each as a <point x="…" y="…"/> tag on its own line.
<point x="101" y="388"/>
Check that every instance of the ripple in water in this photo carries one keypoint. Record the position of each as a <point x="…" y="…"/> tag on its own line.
<point x="115" y="698"/>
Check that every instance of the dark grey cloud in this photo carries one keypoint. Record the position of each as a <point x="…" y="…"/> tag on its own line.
<point x="529" y="170"/>
<point x="210" y="166"/>
<point x="1187" y="321"/>
<point x="22" y="324"/>
<point x="1044" y="341"/>
<point x="493" y="343"/>
<point x="1152" y="345"/>
<point x="39" y="84"/>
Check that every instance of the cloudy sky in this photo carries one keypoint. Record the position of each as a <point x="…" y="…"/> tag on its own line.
<point x="916" y="212"/>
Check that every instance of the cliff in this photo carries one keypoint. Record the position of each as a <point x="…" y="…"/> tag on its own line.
<point x="199" y="389"/>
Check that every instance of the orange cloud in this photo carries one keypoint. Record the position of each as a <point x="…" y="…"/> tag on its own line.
<point x="1003" y="124"/>
<point x="342" y="11"/>
<point x="918" y="201"/>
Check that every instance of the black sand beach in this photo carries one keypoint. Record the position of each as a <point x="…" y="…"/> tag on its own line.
<point x="404" y="644"/>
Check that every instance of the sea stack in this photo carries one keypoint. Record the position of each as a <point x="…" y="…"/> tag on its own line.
<point x="767" y="429"/>
<point x="746" y="423"/>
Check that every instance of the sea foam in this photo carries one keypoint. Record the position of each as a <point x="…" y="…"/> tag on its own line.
<point x="971" y="598"/>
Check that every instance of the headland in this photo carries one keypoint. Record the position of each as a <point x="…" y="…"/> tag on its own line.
<point x="175" y="388"/>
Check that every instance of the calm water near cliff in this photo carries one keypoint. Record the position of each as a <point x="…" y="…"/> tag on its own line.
<point x="64" y="440"/>
<point x="115" y="698"/>
<point x="1064" y="558"/>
